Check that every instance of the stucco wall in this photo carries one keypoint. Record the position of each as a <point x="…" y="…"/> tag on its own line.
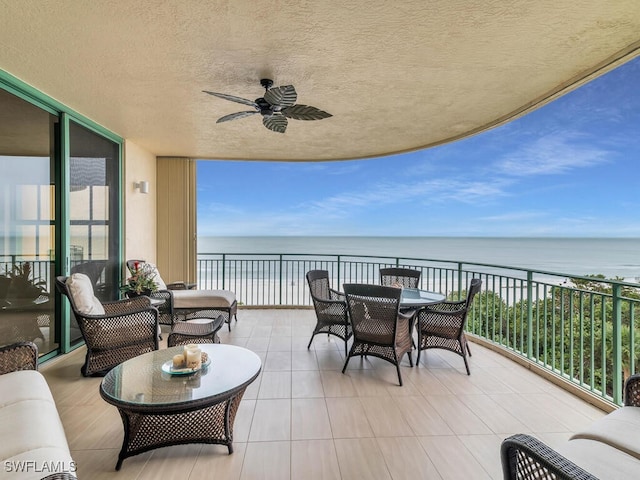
<point x="140" y="209"/>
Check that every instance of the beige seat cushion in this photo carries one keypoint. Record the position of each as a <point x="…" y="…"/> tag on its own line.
<point x="600" y="459"/>
<point x="203" y="299"/>
<point x="620" y="429"/>
<point x="31" y="427"/>
<point x="81" y="290"/>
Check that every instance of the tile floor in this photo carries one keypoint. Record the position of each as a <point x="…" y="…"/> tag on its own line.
<point x="303" y="419"/>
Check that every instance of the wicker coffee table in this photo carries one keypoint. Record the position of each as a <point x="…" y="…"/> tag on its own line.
<point x="159" y="409"/>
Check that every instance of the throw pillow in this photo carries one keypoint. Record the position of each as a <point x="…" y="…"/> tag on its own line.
<point x="159" y="282"/>
<point x="81" y="290"/>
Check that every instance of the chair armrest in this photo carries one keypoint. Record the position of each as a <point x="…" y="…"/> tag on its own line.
<point x="125" y="305"/>
<point x="60" y="476"/>
<point x="336" y="295"/>
<point x="632" y="391"/>
<point x="526" y="458"/>
<point x="18" y="356"/>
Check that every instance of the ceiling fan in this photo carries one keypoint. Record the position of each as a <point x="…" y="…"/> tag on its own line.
<point x="277" y="104"/>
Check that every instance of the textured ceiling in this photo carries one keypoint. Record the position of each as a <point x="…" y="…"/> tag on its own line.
<point x="397" y="76"/>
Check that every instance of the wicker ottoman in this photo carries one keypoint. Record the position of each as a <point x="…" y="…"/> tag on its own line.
<point x="199" y="330"/>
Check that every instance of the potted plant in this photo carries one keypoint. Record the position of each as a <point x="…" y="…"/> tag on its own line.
<point x="141" y="282"/>
<point x="19" y="287"/>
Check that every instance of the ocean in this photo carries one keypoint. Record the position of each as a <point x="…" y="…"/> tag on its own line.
<point x="611" y="257"/>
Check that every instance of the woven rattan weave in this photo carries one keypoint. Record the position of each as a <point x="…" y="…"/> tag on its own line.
<point x="195" y="331"/>
<point x="18" y="356"/>
<point x="397" y="276"/>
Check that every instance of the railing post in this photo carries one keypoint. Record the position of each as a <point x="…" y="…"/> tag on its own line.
<point x="224" y="268"/>
<point x="529" y="314"/>
<point x="338" y="286"/>
<point x="280" y="269"/>
<point x="460" y="281"/>
<point x="617" y="344"/>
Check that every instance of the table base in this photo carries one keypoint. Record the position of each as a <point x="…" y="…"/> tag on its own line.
<point x="149" y="429"/>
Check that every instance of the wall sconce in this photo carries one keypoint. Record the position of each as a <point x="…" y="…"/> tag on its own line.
<point x="142" y="186"/>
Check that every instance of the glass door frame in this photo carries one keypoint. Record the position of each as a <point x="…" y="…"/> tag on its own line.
<point x="61" y="223"/>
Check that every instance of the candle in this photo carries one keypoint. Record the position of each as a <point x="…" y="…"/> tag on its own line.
<point x="178" y="361"/>
<point x="194" y="358"/>
<point x="188" y="347"/>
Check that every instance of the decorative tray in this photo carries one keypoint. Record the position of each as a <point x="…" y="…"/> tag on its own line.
<point x="167" y="367"/>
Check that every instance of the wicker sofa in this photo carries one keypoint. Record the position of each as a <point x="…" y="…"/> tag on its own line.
<point x="607" y="449"/>
<point x="34" y="444"/>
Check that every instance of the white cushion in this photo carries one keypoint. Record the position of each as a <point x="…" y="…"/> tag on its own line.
<point x="620" y="429"/>
<point x="203" y="298"/>
<point x="31" y="427"/>
<point x="158" y="279"/>
<point x="81" y="290"/>
<point x="600" y="459"/>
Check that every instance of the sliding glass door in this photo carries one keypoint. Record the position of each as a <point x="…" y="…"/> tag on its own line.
<point x="27" y="223"/>
<point x="94" y="211"/>
<point x="60" y="213"/>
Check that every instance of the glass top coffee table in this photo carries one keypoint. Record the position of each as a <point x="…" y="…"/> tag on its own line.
<point x="159" y="409"/>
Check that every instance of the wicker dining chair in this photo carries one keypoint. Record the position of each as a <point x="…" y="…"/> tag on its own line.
<point x="442" y="325"/>
<point x="379" y="328"/>
<point x="397" y="276"/>
<point x="127" y="329"/>
<point x="330" y="306"/>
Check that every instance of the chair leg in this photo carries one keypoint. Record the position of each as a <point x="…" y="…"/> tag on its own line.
<point x="346" y="363"/>
<point x="419" y="345"/>
<point x="398" y="370"/>
<point x="310" y="341"/>
<point x="463" y="346"/>
<point x="410" y="358"/>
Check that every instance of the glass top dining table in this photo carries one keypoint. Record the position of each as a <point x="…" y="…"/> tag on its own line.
<point x="416" y="298"/>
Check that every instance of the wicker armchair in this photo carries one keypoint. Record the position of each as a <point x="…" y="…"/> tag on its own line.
<point x="127" y="329"/>
<point x="396" y="276"/>
<point x="379" y="329"/>
<point x="442" y="325"/>
<point x="526" y="458"/>
<point x="330" y="306"/>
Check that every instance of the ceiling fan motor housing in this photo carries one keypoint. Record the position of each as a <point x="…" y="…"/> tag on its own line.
<point x="265" y="107"/>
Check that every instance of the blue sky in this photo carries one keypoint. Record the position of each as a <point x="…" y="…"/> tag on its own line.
<point x="568" y="169"/>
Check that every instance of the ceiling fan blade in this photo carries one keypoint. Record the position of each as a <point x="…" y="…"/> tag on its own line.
<point x="231" y="98"/>
<point x="281" y="96"/>
<point x="277" y="123"/>
<point x="305" y="112"/>
<point x="233" y="116"/>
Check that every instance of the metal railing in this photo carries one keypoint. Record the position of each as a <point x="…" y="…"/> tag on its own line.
<point x="582" y="329"/>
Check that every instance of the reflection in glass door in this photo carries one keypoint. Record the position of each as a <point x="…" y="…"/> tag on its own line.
<point x="94" y="213"/>
<point x="27" y="224"/>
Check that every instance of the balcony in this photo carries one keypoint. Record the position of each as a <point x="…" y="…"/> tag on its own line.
<point x="302" y="418"/>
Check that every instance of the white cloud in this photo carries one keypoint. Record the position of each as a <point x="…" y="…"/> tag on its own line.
<point x="552" y="155"/>
<point x="513" y="217"/>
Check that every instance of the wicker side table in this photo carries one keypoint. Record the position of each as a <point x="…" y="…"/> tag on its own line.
<point x="200" y="330"/>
